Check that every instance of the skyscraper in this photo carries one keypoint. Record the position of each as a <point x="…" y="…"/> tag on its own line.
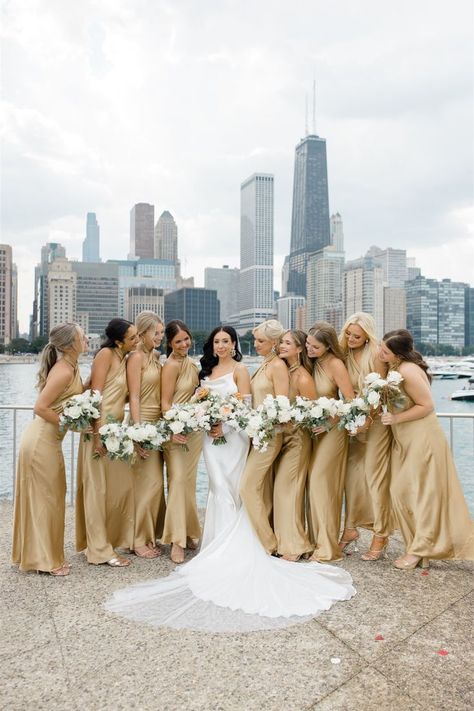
<point x="310" y="230"/>
<point x="91" y="244"/>
<point x="451" y="313"/>
<point x="6" y="267"/>
<point x="197" y="307"/>
<point x="226" y="282"/>
<point x="256" y="251"/>
<point x="166" y="238"/>
<point x="96" y="295"/>
<point x="61" y="292"/>
<point x="363" y="290"/>
<point x="337" y="232"/>
<point x="324" y="287"/>
<point x="287" y="310"/>
<point x="142" y="221"/>
<point x="422" y="309"/>
<point x="40" y="321"/>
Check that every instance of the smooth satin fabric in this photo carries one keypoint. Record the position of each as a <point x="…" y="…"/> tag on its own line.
<point x="181" y="519"/>
<point x="427" y="496"/>
<point x="367" y="486"/>
<point x="256" y="489"/>
<point x="40" y="490"/>
<point x="326" y="475"/>
<point x="105" y="508"/>
<point x="148" y="473"/>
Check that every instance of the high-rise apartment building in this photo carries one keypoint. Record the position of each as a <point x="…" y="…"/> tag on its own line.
<point x="310" y="230"/>
<point x="15" y="331"/>
<point x="6" y="286"/>
<point x="61" y="292"/>
<point x="324" y="280"/>
<point x="256" y="251"/>
<point x="363" y="290"/>
<point x="451" y="313"/>
<point x="394" y="309"/>
<point x="166" y="238"/>
<point x="393" y="263"/>
<point x="197" y="307"/>
<point x="144" y="273"/>
<point x="412" y="270"/>
<point x="469" y="316"/>
<point x="142" y="223"/>
<point x="91" y="244"/>
<point x="97" y="299"/>
<point x="143" y="298"/>
<point x="337" y="232"/>
<point x="422" y="309"/>
<point x="40" y="319"/>
<point x="288" y="308"/>
<point x="226" y="282"/>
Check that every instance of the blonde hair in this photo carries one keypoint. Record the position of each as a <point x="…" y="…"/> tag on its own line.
<point x="367" y="362"/>
<point x="60" y="338"/>
<point x="145" y="320"/>
<point x="326" y="334"/>
<point x="271" y="329"/>
<point x="299" y="338"/>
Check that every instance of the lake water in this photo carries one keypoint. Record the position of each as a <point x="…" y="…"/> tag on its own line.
<point x="17" y="381"/>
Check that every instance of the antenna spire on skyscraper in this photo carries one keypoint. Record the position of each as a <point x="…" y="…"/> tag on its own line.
<point x="314" y="108"/>
<point x="306" y="129"/>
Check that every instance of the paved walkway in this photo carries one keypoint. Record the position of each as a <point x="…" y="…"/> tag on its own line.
<point x="402" y="643"/>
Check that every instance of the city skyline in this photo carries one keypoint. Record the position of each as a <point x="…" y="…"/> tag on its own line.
<point x="89" y="134"/>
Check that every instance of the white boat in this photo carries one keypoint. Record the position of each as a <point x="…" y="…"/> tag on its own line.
<point x="466" y="393"/>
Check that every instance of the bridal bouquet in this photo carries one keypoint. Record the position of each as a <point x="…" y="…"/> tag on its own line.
<point x="230" y="410"/>
<point x="262" y="423"/>
<point x="116" y="441"/>
<point x="384" y="391"/>
<point x="80" y="411"/>
<point x="185" y="418"/>
<point x="310" y="414"/>
<point x="353" y="414"/>
<point x="147" y="435"/>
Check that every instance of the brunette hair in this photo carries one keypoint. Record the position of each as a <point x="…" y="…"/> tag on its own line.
<point x="60" y="338"/>
<point x="209" y="360"/>
<point x="115" y="330"/>
<point x="326" y="334"/>
<point x="299" y="337"/>
<point x="172" y="328"/>
<point x="400" y="342"/>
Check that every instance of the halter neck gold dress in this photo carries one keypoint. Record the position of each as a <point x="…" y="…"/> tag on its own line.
<point x="40" y="490"/>
<point x="181" y="519"/>
<point x="291" y="471"/>
<point x="256" y="489"/>
<point x="427" y="496"/>
<point x="325" y="485"/>
<point x="105" y="508"/>
<point x="148" y="473"/>
<point x="367" y="486"/>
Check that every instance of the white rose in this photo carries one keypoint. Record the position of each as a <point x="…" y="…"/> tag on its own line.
<point x="394" y="377"/>
<point x="271" y="412"/>
<point x="373" y="398"/>
<point x="184" y="415"/>
<point x="282" y="401"/>
<point x="73" y="411"/>
<point x="112" y="444"/>
<point x="371" y="378"/>
<point x="284" y="416"/>
<point x="176" y="427"/>
<point x="344" y="408"/>
<point x="316" y="412"/>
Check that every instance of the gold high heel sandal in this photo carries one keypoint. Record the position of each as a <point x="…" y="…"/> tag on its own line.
<point x="345" y="543"/>
<point x="404" y="564"/>
<point x="376" y="553"/>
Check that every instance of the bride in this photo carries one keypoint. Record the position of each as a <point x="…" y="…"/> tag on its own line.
<point x="233" y="584"/>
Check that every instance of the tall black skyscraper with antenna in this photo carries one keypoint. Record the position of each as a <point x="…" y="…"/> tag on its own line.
<point x="310" y="217"/>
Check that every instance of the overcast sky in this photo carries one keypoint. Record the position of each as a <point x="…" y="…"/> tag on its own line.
<point x="111" y="102"/>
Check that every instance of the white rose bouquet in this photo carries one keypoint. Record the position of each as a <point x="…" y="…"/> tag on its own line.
<point x="228" y="411"/>
<point x="353" y="414"/>
<point x="265" y="420"/>
<point x="80" y="411"/>
<point x="147" y="435"/>
<point x="116" y="441"/>
<point x="185" y="418"/>
<point x="384" y="391"/>
<point x="311" y="414"/>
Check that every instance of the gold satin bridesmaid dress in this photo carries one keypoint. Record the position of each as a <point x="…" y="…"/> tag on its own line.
<point x="181" y="518"/>
<point x="40" y="490"/>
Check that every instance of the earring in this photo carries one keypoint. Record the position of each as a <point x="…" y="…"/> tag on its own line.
<point x="232" y="352"/>
<point x="274" y="351"/>
<point x="214" y="354"/>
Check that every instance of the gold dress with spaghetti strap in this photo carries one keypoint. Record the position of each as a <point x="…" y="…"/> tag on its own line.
<point x="148" y="473"/>
<point x="427" y="496"/>
<point x="105" y="508"/>
<point x="291" y="471"/>
<point x="40" y="490"/>
<point x="256" y="489"/>
<point x="367" y="486"/>
<point x="325" y="485"/>
<point x="181" y="518"/>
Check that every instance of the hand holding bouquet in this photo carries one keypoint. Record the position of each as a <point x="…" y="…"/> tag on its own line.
<point x="80" y="411"/>
<point x="185" y="418"/>
<point x="148" y="436"/>
<point x="353" y="414"/>
<point x="264" y="421"/>
<point x="114" y="438"/>
<point x="230" y="411"/>
<point x="313" y="414"/>
<point x="384" y="392"/>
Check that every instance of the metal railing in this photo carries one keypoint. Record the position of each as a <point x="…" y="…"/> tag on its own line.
<point x="71" y="436"/>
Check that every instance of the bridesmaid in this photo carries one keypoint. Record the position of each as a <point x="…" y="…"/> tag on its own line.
<point x="143" y="380"/>
<point x="291" y="467"/>
<point x="327" y="466"/>
<point x="104" y="501"/>
<point x="40" y="490"/>
<point x="179" y="382"/>
<point x="426" y="493"/>
<point x="256" y="489"/>
<point x="367" y="487"/>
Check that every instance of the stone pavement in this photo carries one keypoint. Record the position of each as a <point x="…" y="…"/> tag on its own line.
<point x="60" y="650"/>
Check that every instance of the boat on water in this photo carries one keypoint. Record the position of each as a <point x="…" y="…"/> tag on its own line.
<point x="465" y="393"/>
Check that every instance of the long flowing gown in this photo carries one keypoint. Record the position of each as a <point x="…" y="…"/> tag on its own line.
<point x="38" y="519"/>
<point x="427" y="497"/>
<point x="233" y="584"/>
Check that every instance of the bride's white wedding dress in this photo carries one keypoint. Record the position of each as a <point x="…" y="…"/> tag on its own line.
<point x="232" y="585"/>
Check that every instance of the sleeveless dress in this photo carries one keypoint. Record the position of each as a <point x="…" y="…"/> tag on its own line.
<point x="325" y="486"/>
<point x="291" y="471"/>
<point x="105" y="508"/>
<point x="181" y="519"/>
<point x="367" y="486"/>
<point x="224" y="467"/>
<point x="256" y="489"/>
<point x="148" y="473"/>
<point x="232" y="585"/>
<point x="40" y="490"/>
<point x="427" y="496"/>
